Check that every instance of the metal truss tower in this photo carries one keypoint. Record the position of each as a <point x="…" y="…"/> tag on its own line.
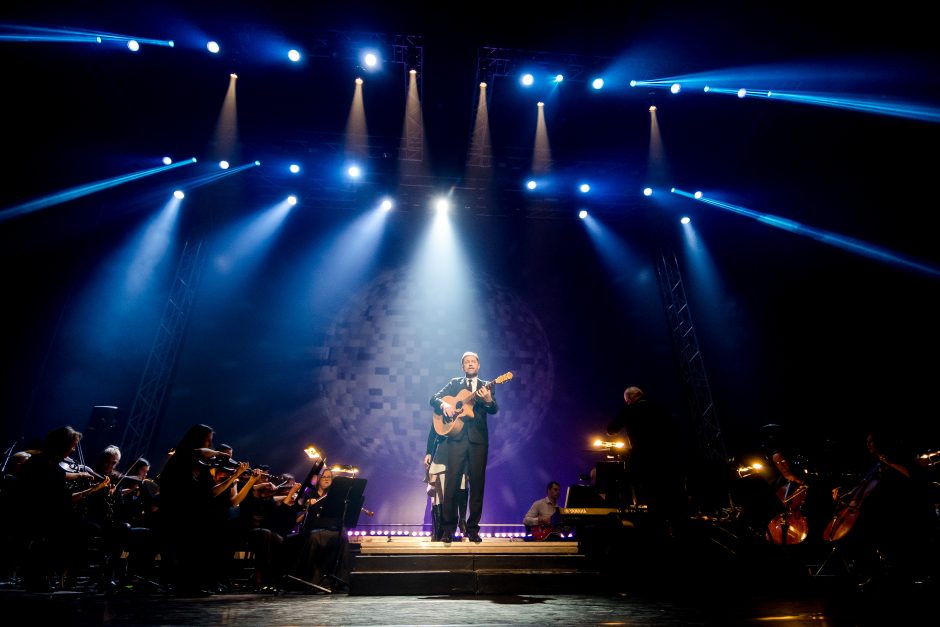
<point x="150" y="401"/>
<point x="689" y="357"/>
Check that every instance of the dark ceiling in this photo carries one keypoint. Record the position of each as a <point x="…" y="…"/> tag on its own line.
<point x="78" y="113"/>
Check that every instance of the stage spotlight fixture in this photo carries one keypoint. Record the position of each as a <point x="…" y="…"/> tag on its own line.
<point x="358" y="80"/>
<point x="179" y="195"/>
<point x="539" y="104"/>
<point x="527" y="79"/>
<point x="354" y="171"/>
<point x="652" y="108"/>
<point x="171" y="44"/>
<point x="294" y="55"/>
<point x="482" y="85"/>
<point x="585" y="188"/>
<point x="697" y="195"/>
<point x="213" y="47"/>
<point x="133" y="46"/>
<point x="559" y="78"/>
<point x="582" y="214"/>
<point x="633" y="83"/>
<point x="257" y="162"/>
<point x="370" y="59"/>
<point x="412" y="71"/>
<point x="531" y="184"/>
<point x="707" y="89"/>
<point x="742" y="93"/>
<point x="386" y="204"/>
<point x="292" y="200"/>
<point x="597" y="83"/>
<point x="294" y="168"/>
<point x="685" y="219"/>
<point x="647" y="191"/>
<point x="441" y="205"/>
<point x="223" y="164"/>
<point x="167" y="161"/>
<point x="676" y="87"/>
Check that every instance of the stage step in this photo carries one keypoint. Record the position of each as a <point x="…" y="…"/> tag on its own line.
<point x="420" y="567"/>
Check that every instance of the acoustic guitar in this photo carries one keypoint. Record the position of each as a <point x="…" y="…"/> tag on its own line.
<point x="463" y="408"/>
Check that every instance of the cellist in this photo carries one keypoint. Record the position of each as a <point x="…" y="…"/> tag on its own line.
<point x="888" y="512"/>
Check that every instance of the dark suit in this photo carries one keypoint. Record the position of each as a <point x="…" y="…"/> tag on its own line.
<point x="466" y="453"/>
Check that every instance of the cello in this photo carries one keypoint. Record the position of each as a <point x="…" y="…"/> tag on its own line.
<point x="790" y="526"/>
<point x="849" y="506"/>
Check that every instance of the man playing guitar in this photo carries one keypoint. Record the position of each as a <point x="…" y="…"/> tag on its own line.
<point x="543" y="518"/>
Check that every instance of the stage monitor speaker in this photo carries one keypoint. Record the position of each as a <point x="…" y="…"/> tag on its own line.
<point x="101" y="431"/>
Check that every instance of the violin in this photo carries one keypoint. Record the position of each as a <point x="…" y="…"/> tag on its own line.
<point x="70" y="465"/>
<point x="221" y="462"/>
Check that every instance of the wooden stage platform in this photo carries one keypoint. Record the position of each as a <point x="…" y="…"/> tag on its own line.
<point x="417" y="565"/>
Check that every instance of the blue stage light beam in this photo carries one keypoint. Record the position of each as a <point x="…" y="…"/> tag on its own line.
<point x="826" y="237"/>
<point x="216" y="174"/>
<point x="20" y="33"/>
<point x="84" y="190"/>
<point x="753" y="82"/>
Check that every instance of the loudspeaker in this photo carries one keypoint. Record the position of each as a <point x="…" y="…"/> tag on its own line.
<point x="102" y="430"/>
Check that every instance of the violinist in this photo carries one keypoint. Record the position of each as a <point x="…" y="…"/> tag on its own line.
<point x="99" y="513"/>
<point x="187" y="489"/>
<point x="11" y="550"/>
<point x="45" y="516"/>
<point x="228" y="493"/>
<point x="266" y="517"/>
<point x="141" y="495"/>
<point x="137" y="507"/>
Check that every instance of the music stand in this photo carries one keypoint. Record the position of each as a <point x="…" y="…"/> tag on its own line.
<point x="613" y="480"/>
<point x="350" y="495"/>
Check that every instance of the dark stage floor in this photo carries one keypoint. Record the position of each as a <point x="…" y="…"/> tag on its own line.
<point x="817" y="603"/>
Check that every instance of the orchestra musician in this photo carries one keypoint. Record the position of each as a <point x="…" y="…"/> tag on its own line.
<point x="655" y="459"/>
<point x="49" y="486"/>
<point x="543" y="518"/>
<point x="313" y="553"/>
<point x="187" y="490"/>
